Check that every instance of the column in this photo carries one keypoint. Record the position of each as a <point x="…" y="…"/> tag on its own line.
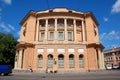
<point x="20" y="59"/>
<point x="16" y="60"/>
<point x="65" y="26"/>
<point x="100" y="59"/>
<point x="46" y="29"/>
<point x="74" y="22"/>
<point x="83" y="31"/>
<point x="45" y="60"/>
<point x="103" y="63"/>
<point x="37" y="31"/>
<point x="55" y="34"/>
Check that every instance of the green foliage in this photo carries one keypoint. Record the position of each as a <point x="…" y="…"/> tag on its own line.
<point x="7" y="48"/>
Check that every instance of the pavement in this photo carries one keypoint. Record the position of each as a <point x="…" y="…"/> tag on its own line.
<point x="104" y="75"/>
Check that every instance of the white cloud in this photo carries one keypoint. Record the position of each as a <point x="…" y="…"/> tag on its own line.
<point x="116" y="7"/>
<point x="8" y="2"/>
<point x="113" y="35"/>
<point x="110" y="39"/>
<point x="105" y="19"/>
<point x="11" y="27"/>
<point x="4" y="27"/>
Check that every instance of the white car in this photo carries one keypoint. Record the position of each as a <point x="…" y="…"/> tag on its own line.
<point x="115" y="67"/>
<point x="108" y="66"/>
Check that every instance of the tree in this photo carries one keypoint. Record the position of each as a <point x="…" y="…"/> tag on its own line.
<point x="7" y="48"/>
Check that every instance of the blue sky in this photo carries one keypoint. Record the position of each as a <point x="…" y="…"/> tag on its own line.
<point x="107" y="13"/>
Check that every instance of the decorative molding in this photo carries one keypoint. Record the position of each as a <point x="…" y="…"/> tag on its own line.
<point x="80" y="50"/>
<point x="71" y="50"/>
<point x="40" y="50"/>
<point x="50" y="50"/>
<point x="60" y="50"/>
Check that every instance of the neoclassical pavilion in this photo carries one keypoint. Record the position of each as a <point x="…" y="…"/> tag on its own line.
<point x="60" y="40"/>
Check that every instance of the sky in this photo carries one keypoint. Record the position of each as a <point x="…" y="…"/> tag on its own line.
<point x="107" y="13"/>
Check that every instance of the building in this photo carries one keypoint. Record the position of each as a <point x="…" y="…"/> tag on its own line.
<point x="59" y="40"/>
<point x="112" y="56"/>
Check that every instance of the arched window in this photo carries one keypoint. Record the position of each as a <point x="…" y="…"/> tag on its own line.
<point x="40" y="60"/>
<point x="61" y="61"/>
<point x="81" y="61"/>
<point x="50" y="61"/>
<point x="71" y="61"/>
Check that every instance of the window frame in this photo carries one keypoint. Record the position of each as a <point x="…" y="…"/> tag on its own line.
<point x="60" y="24"/>
<point x="51" y="36"/>
<point x="42" y="38"/>
<point x="40" y="61"/>
<point x="70" y="35"/>
<point x="62" y="35"/>
<point x="52" y="24"/>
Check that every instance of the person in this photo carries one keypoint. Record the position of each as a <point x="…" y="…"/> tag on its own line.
<point x="30" y="69"/>
<point x="46" y="70"/>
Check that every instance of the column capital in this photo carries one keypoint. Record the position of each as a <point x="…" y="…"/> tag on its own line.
<point x="74" y="21"/>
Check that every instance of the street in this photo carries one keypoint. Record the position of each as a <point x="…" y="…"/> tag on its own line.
<point x="106" y="75"/>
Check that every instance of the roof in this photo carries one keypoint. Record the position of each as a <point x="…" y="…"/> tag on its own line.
<point x="33" y="13"/>
<point x="112" y="50"/>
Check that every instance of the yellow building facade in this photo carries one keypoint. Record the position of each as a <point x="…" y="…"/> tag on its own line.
<point x="112" y="57"/>
<point x="59" y="40"/>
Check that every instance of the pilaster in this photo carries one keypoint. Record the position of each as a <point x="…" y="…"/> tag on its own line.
<point x="46" y="29"/>
<point x="74" y="22"/>
<point x="37" y="31"/>
<point x="65" y="26"/>
<point x="83" y="31"/>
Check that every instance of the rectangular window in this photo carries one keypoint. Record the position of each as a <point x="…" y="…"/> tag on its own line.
<point x="40" y="63"/>
<point x="42" y="24"/>
<point x="50" y="63"/>
<point x="52" y="24"/>
<point x="42" y="35"/>
<point x="51" y="35"/>
<point x="60" y="63"/>
<point x="69" y="24"/>
<point x="69" y="36"/>
<point x="60" y="36"/>
<point x="59" y="24"/>
<point x="71" y="63"/>
<point x="81" y="63"/>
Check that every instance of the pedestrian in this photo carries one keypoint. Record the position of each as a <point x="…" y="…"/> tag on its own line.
<point x="46" y="70"/>
<point x="30" y="69"/>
